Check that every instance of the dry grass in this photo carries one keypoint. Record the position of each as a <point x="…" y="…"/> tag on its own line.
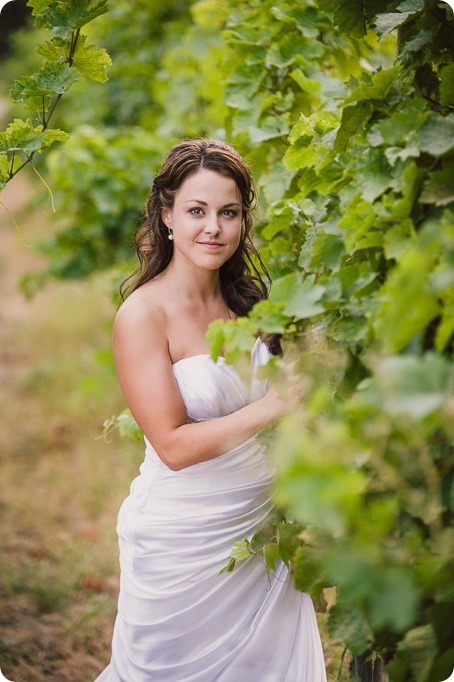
<point x="61" y="484"/>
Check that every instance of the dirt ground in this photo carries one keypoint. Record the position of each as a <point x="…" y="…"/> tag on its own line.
<point x="58" y="564"/>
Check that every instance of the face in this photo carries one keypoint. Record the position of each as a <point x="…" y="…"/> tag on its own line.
<point x="205" y="219"/>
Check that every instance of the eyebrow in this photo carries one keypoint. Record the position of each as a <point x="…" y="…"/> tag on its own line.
<point x="204" y="203"/>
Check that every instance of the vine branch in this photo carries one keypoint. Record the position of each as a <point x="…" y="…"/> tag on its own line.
<point x="45" y="121"/>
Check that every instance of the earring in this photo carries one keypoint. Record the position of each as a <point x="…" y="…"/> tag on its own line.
<point x="170" y="235"/>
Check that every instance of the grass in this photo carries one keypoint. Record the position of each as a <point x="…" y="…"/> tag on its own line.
<point x="61" y="483"/>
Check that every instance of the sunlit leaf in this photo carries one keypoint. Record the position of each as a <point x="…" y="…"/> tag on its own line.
<point x="63" y="18"/>
<point x="53" y="78"/>
<point x="128" y="427"/>
<point x="91" y="61"/>
<point x="398" y="318"/>
<point x="437" y="135"/>
<point x="240" y="551"/>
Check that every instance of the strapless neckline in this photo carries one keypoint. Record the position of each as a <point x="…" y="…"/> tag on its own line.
<point x="199" y="355"/>
<point x="257" y="344"/>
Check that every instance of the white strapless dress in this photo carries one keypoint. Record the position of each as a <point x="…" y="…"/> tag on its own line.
<point x="179" y="619"/>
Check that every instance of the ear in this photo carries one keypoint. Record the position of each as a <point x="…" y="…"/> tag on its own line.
<point x="166" y="217"/>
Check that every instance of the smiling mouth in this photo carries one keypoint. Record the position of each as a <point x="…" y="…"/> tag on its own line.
<point x="210" y="243"/>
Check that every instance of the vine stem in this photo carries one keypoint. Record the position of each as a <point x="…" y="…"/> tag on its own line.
<point x="13" y="156"/>
<point x="45" y="122"/>
<point x="51" y="196"/>
<point x="432" y="11"/>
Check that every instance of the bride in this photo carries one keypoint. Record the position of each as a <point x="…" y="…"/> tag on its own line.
<point x="204" y="483"/>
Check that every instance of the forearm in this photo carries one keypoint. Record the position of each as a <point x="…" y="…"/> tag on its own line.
<point x="190" y="444"/>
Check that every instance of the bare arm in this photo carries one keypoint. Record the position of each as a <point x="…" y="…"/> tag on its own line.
<point x="146" y="377"/>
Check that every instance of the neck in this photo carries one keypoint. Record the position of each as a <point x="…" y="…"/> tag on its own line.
<point x="193" y="283"/>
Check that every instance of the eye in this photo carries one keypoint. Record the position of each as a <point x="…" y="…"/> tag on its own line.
<point x="195" y="210"/>
<point x="230" y="213"/>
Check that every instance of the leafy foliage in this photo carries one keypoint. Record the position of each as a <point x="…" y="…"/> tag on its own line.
<point x="360" y="237"/>
<point x="68" y="59"/>
<point x="125" y="424"/>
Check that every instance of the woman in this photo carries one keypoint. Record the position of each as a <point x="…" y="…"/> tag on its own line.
<point x="204" y="483"/>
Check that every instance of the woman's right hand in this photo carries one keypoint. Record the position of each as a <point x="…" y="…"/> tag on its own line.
<point x="286" y="397"/>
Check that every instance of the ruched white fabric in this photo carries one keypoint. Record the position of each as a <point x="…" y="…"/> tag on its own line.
<point x="179" y="619"/>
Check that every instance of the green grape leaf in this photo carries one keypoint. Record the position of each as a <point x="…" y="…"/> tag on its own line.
<point x="4" y="168"/>
<point x="398" y="238"/>
<point x="271" y="553"/>
<point x="275" y="182"/>
<point x="447" y="84"/>
<point x="377" y="86"/>
<point x="53" y="78"/>
<point x="437" y="135"/>
<point x="24" y="88"/>
<point x="439" y="188"/>
<point x="241" y="88"/>
<point x="321" y="250"/>
<point x="372" y="175"/>
<point x="240" y="550"/>
<point x="347" y="15"/>
<point x="216" y="338"/>
<point x="128" y="427"/>
<point x="288" y="540"/>
<point x="415" y="386"/>
<point x="306" y="84"/>
<point x="308" y="575"/>
<point x="21" y="136"/>
<point x="64" y="18"/>
<point x="411" y="6"/>
<point x="350" y="328"/>
<point x="445" y="329"/>
<point x="301" y="299"/>
<point x="54" y="135"/>
<point x="385" y="23"/>
<point x="269" y="317"/>
<point x="270" y="128"/>
<point x="400" y="126"/>
<point x="91" y="61"/>
<point x="55" y="49"/>
<point x="349" y="625"/>
<point x="394" y="603"/>
<point x="354" y="118"/>
<point x="5" y="145"/>
<point x="229" y="567"/>
<point x="398" y="319"/>
<point x="419" y="648"/>
<point x="284" y="287"/>
<point x="300" y="155"/>
<point x="306" y="301"/>
<point x="359" y="219"/>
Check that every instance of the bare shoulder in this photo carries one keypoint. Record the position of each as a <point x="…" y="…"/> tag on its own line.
<point x="142" y="315"/>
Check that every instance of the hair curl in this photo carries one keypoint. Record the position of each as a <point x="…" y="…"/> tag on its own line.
<point x="241" y="281"/>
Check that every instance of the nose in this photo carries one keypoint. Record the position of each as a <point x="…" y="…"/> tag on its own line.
<point x="212" y="225"/>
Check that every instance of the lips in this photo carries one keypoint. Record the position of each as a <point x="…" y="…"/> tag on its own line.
<point x="210" y="243"/>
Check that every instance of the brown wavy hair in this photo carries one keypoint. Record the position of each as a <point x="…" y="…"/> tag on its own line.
<point x="241" y="280"/>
